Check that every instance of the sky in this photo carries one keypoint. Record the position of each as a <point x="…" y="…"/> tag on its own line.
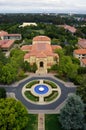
<point x="43" y="6"/>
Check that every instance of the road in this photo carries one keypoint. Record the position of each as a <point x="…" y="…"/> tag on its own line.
<point x="30" y="106"/>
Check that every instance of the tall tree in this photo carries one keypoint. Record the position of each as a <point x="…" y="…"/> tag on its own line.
<point x="72" y="114"/>
<point x="8" y="74"/>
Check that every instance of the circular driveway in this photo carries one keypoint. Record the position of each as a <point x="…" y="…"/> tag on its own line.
<point x="30" y="106"/>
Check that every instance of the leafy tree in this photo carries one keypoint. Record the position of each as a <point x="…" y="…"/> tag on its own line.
<point x="8" y="74"/>
<point x="81" y="91"/>
<point x="60" y="52"/>
<point x="65" y="67"/>
<point x="80" y="79"/>
<point x="26" y="66"/>
<point x="69" y="50"/>
<point x="55" y="41"/>
<point x="82" y="70"/>
<point x="72" y="114"/>
<point x="18" y="56"/>
<point x="2" y="93"/>
<point x="34" y="67"/>
<point x="54" y="67"/>
<point x="3" y="59"/>
<point x="20" y="73"/>
<point x="13" y="115"/>
<point x="75" y="60"/>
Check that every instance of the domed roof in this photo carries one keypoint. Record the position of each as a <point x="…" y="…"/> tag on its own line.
<point x="41" y="38"/>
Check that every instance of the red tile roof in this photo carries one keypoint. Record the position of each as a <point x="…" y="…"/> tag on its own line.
<point x="41" y="38"/>
<point x="82" y="43"/>
<point x="26" y="56"/>
<point x="70" y="28"/>
<point x="26" y="48"/>
<point x="13" y="35"/>
<point x="41" y="47"/>
<point x="41" y="50"/>
<point x="6" y="43"/>
<point x="80" y="51"/>
<point x="83" y="61"/>
<point x="2" y="33"/>
<point x="56" y="47"/>
<point x="41" y="55"/>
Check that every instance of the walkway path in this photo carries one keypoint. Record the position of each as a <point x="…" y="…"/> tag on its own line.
<point x="41" y="121"/>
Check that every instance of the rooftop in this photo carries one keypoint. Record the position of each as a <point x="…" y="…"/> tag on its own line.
<point x="56" y="47"/>
<point x="80" y="51"/>
<point x="28" y="24"/>
<point x="12" y="35"/>
<point x="82" y="43"/>
<point x="26" y="48"/>
<point x="2" y="33"/>
<point x="40" y="51"/>
<point x="41" y="47"/>
<point x="6" y="43"/>
<point x="70" y="28"/>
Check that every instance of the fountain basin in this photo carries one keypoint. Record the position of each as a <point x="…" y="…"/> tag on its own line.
<point x="41" y="89"/>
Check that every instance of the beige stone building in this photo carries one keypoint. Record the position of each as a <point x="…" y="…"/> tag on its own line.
<point x="42" y="53"/>
<point x="80" y="53"/>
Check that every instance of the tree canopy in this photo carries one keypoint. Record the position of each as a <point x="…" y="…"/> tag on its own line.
<point x="13" y="115"/>
<point x="72" y="114"/>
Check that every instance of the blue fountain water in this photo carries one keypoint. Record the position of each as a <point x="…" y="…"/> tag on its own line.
<point x="41" y="89"/>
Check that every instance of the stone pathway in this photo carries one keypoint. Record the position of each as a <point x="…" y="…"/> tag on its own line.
<point x="41" y="121"/>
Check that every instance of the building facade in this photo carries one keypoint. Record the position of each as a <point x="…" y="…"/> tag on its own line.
<point x="4" y="35"/>
<point x="80" y="53"/>
<point x="42" y="53"/>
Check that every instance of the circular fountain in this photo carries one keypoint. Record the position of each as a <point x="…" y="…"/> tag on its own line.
<point x="41" y="89"/>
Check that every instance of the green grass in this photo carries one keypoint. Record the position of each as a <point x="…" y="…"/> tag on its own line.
<point x="52" y="96"/>
<point x="33" y="122"/>
<point x="30" y="84"/>
<point x="30" y="96"/>
<point x="52" y="122"/>
<point x="52" y="84"/>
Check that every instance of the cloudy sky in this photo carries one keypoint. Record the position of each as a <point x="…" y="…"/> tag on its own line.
<point x="43" y="6"/>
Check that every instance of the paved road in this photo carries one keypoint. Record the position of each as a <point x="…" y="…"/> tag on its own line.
<point x="64" y="94"/>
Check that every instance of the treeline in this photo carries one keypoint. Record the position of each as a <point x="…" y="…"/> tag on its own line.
<point x="45" y="18"/>
<point x="57" y="34"/>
